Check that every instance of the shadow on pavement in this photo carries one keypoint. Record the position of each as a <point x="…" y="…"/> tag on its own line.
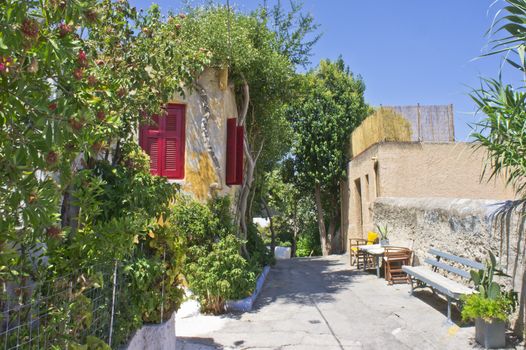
<point x="196" y="343"/>
<point x="301" y="280"/>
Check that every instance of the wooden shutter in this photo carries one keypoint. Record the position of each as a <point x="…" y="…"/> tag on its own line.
<point x="150" y="141"/>
<point x="231" y="151"/>
<point x="173" y="138"/>
<point x="164" y="141"/>
<point x="240" y="133"/>
<point x="234" y="152"/>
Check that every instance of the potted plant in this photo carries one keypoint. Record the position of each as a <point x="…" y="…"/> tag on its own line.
<point x="490" y="306"/>
<point x="382" y="231"/>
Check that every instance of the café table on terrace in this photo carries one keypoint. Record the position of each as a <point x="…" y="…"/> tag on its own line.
<point x="376" y="251"/>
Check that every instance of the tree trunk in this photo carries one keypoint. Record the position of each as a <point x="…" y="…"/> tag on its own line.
<point x="271" y="227"/>
<point x="249" y="175"/>
<point x="333" y="226"/>
<point x="325" y="241"/>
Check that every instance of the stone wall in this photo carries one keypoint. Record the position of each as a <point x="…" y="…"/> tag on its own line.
<point x="463" y="227"/>
<point x="414" y="169"/>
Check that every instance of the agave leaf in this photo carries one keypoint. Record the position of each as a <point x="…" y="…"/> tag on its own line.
<point x="493" y="290"/>
<point x="482" y="291"/>
<point x="475" y="276"/>
<point x="493" y="259"/>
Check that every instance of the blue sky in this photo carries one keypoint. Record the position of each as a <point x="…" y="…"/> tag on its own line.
<point x="407" y="51"/>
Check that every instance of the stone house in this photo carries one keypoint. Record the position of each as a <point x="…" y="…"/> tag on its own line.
<point x="198" y="143"/>
<point x="430" y="192"/>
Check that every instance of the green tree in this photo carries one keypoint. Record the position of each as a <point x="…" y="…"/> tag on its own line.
<point x="261" y="63"/>
<point x="76" y="78"/>
<point x="323" y="117"/>
<point x="501" y="130"/>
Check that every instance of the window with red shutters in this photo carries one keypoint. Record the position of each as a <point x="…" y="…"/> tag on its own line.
<point x="164" y="141"/>
<point x="234" y="153"/>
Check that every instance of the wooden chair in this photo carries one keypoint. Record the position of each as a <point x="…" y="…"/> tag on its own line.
<point x="354" y="253"/>
<point x="394" y="258"/>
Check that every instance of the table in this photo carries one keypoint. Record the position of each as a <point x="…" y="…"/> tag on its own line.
<point x="377" y="251"/>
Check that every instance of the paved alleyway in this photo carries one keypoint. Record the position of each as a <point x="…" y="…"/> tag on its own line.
<point x="318" y="303"/>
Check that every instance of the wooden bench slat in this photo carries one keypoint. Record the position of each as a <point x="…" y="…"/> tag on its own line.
<point x="447" y="267"/>
<point x="463" y="261"/>
<point x="435" y="280"/>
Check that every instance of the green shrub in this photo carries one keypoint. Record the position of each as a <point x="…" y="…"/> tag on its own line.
<point x="490" y="301"/>
<point x="220" y="274"/>
<point x="309" y="243"/>
<point x="476" y="306"/>
<point x="260" y="255"/>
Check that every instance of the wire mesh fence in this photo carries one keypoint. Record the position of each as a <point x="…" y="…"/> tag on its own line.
<point x="66" y="310"/>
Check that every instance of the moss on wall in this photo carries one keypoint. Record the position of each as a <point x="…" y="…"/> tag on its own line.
<point x="199" y="181"/>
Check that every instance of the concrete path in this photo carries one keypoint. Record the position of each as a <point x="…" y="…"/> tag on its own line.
<point x="319" y="303"/>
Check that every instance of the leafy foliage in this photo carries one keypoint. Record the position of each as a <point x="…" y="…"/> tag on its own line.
<point x="501" y="130"/>
<point x="214" y="267"/>
<point x="76" y="78"/>
<point x="220" y="274"/>
<point x="476" y="306"/>
<point x="309" y="242"/>
<point x="490" y="301"/>
<point x="322" y="117"/>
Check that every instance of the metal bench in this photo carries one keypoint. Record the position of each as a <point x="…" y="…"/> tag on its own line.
<point x="452" y="290"/>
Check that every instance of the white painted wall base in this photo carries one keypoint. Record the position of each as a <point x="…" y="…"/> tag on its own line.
<point x="155" y="337"/>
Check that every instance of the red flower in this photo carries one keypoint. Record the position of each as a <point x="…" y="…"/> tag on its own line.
<point x="64" y="29"/>
<point x="82" y="58"/>
<point x="92" y="80"/>
<point x="75" y="124"/>
<point x="90" y="15"/>
<point x="51" y="158"/>
<point x="78" y="73"/>
<point x="53" y="232"/>
<point x="96" y="147"/>
<point x="30" y="28"/>
<point x="52" y="106"/>
<point x="101" y="115"/>
<point x="2" y="67"/>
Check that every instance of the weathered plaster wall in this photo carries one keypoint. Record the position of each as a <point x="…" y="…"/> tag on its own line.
<point x="202" y="176"/>
<point x="463" y="227"/>
<point x="436" y="170"/>
<point x="415" y="169"/>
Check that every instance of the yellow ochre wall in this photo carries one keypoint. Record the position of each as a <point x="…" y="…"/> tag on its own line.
<point x="201" y="176"/>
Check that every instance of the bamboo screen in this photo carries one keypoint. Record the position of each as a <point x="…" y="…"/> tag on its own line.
<point x="404" y="123"/>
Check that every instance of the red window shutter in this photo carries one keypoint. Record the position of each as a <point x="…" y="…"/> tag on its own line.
<point x="150" y="141"/>
<point x="164" y="141"/>
<point x="231" y="151"/>
<point x="240" y="133"/>
<point x="173" y="125"/>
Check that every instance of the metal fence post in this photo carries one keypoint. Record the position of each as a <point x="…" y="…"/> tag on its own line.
<point x="113" y="302"/>
<point x="162" y="287"/>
